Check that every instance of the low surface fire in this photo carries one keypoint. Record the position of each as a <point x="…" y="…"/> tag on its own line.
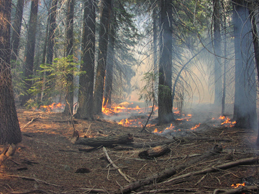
<point x="53" y="107"/>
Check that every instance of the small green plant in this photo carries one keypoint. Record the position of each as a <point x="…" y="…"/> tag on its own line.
<point x="148" y="92"/>
<point x="52" y="80"/>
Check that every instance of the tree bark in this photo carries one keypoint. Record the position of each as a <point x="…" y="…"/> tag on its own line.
<point x="110" y="62"/>
<point x="217" y="51"/>
<point x="105" y="141"/>
<point x="245" y="88"/>
<point x="256" y="50"/>
<point x="102" y="55"/>
<point x="9" y="124"/>
<point x="29" y="57"/>
<point x="69" y="51"/>
<point x="86" y="81"/>
<point x="165" y="113"/>
<point x="50" y="46"/>
<point x="17" y="29"/>
<point x="52" y="27"/>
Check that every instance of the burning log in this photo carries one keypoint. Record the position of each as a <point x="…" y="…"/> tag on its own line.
<point x="158" y="177"/>
<point x="105" y="141"/>
<point x="154" y="152"/>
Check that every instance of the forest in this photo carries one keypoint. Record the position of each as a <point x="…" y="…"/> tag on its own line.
<point x="126" y="96"/>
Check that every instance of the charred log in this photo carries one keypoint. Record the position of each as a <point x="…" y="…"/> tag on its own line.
<point x="105" y="141"/>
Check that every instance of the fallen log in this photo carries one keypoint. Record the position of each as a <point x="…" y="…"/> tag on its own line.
<point x="154" y="152"/>
<point x="214" y="168"/>
<point x="158" y="177"/>
<point x="105" y="141"/>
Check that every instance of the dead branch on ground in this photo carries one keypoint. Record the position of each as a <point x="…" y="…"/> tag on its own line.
<point x="126" y="177"/>
<point x="160" y="176"/>
<point x="33" y="179"/>
<point x="105" y="141"/>
<point x="214" y="168"/>
<point x="34" y="119"/>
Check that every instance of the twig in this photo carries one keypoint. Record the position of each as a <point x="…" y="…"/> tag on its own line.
<point x="115" y="166"/>
<point x="27" y="192"/>
<point x="93" y="190"/>
<point x="29" y="122"/>
<point x="144" y="127"/>
<point x="33" y="179"/>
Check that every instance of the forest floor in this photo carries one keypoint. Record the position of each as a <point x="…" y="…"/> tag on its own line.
<point x="47" y="162"/>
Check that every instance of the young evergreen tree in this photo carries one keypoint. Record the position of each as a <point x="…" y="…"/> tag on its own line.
<point x="9" y="124"/>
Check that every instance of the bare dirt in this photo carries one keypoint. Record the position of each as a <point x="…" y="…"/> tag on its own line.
<point x="47" y="162"/>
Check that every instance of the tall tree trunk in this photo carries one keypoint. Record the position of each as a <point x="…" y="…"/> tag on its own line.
<point x="69" y="51"/>
<point x="256" y="51"/>
<point x="165" y="113"/>
<point x="155" y="62"/>
<point x="9" y="124"/>
<point x="50" y="46"/>
<point x="110" y="62"/>
<point x="245" y="90"/>
<point x="52" y="27"/>
<point x="225" y="60"/>
<point x="29" y="56"/>
<point x="17" y="29"/>
<point x="86" y="81"/>
<point x="102" y="55"/>
<point x="217" y="49"/>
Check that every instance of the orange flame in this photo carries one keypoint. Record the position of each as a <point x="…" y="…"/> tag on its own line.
<point x="52" y="106"/>
<point x="227" y="121"/>
<point x="238" y="185"/>
<point x="196" y="126"/>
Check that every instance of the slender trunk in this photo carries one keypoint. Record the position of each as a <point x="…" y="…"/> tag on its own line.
<point x="86" y="81"/>
<point x="217" y="49"/>
<point x="102" y="55"/>
<point x="9" y="124"/>
<point x="69" y="51"/>
<point x="52" y="27"/>
<point x="110" y="64"/>
<point x="17" y="29"/>
<point x="155" y="18"/>
<point x="50" y="45"/>
<point x="256" y="50"/>
<point x="225" y="61"/>
<point x="245" y="90"/>
<point x="165" y="113"/>
<point x="29" y="56"/>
